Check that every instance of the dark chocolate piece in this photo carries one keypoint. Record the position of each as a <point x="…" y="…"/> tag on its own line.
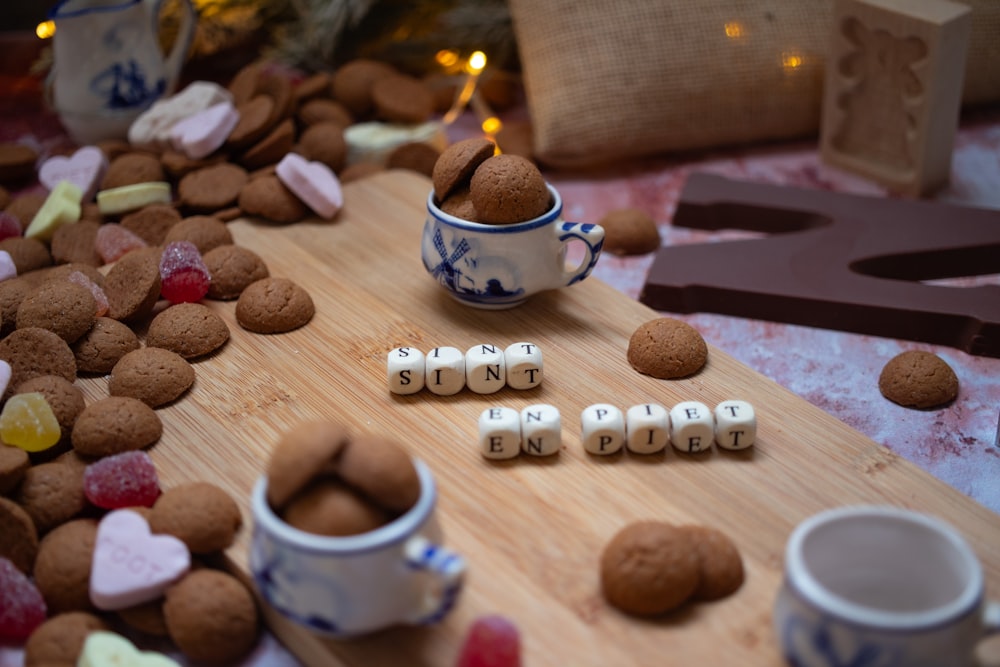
<point x="835" y="261"/>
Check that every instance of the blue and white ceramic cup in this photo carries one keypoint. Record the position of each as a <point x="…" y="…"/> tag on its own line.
<point x="398" y="574"/>
<point x="500" y="266"/>
<point x="877" y="586"/>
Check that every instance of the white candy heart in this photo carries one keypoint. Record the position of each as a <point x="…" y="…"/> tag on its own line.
<point x="151" y="130"/>
<point x="131" y="565"/>
<point x="200" y="134"/>
<point x="84" y="169"/>
<point x="312" y="182"/>
<point x="107" y="649"/>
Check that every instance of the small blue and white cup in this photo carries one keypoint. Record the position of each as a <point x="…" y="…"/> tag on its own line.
<point x="879" y="586"/>
<point x="397" y="574"/>
<point x="500" y="266"/>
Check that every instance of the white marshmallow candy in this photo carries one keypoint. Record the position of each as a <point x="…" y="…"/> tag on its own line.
<point x="692" y="427"/>
<point x="485" y="370"/>
<point x="405" y="368"/>
<point x="647" y="428"/>
<point x="444" y="371"/>
<point x="500" y="433"/>
<point x="524" y="365"/>
<point x="735" y="425"/>
<point x="603" y="428"/>
<point x="541" y="429"/>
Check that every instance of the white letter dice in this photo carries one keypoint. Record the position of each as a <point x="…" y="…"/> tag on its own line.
<point x="445" y="371"/>
<point x="735" y="425"/>
<point x="541" y="429"/>
<point x="405" y="368"/>
<point x="692" y="427"/>
<point x="603" y="429"/>
<point x="485" y="371"/>
<point x="500" y="433"/>
<point x="648" y="428"/>
<point x="524" y="365"/>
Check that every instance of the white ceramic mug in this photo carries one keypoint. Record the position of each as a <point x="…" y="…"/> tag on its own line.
<point x="397" y="574"/>
<point x="876" y="586"/>
<point x="500" y="266"/>
<point x="107" y="64"/>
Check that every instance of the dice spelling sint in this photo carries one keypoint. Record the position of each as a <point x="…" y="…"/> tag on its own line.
<point x="483" y="368"/>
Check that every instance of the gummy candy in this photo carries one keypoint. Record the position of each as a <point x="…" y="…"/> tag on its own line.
<point x="184" y="278"/>
<point x="492" y="641"/>
<point x="28" y="422"/>
<point x="99" y="296"/>
<point x="122" y="480"/>
<point x="22" y="607"/>
<point x="113" y="241"/>
<point x="9" y="225"/>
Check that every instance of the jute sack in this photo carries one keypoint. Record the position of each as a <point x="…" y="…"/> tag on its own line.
<point x="606" y="81"/>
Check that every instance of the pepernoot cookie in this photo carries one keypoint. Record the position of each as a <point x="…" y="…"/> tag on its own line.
<point x="303" y="452"/>
<point x="418" y="156"/>
<point x="204" y="231"/>
<point x="200" y="514"/>
<point x="52" y="494"/>
<point x="115" y="424"/>
<point x="62" y="307"/>
<point x="212" y="188"/>
<point x="17" y="162"/>
<point x="98" y="350"/>
<point x="133" y="285"/>
<point x="232" y="268"/>
<point x="28" y="254"/>
<point x="62" y="568"/>
<point x="629" y="231"/>
<point x="324" y="142"/>
<point x="59" y="640"/>
<point x="147" y="618"/>
<point x="34" y="351"/>
<point x="329" y="507"/>
<point x="18" y="536"/>
<point x="191" y="330"/>
<point x="381" y="470"/>
<point x="14" y="461"/>
<point x="132" y="169"/>
<point x="918" y="379"/>
<point x="649" y="568"/>
<point x="508" y="188"/>
<point x="459" y="204"/>
<point x="154" y="375"/>
<point x="667" y="348"/>
<point x="457" y="163"/>
<point x="76" y="243"/>
<point x="269" y="150"/>
<point x="211" y="616"/>
<point x="256" y="116"/>
<point x="353" y="82"/>
<point x="401" y="98"/>
<point x="268" y="198"/>
<point x="151" y="223"/>
<point x="274" y="305"/>
<point x="720" y="562"/>
<point x="64" y="397"/>
<point x="322" y="110"/>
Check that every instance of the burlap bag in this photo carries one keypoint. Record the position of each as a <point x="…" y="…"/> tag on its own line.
<point x="607" y="81"/>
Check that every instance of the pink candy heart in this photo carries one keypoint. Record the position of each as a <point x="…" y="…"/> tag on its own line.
<point x="131" y="565"/>
<point x="312" y="182"/>
<point x="201" y="133"/>
<point x="84" y="169"/>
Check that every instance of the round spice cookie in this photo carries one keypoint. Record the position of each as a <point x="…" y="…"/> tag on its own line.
<point x="24" y="207"/>
<point x="382" y="470"/>
<point x="255" y="120"/>
<point x="243" y="85"/>
<point x="232" y="268"/>
<point x="507" y="189"/>
<point x="191" y="330"/>
<point x="418" y="156"/>
<point x="98" y="350"/>
<point x="667" y="348"/>
<point x="629" y="231"/>
<point x="178" y="165"/>
<point x="459" y="204"/>
<point x="62" y="307"/>
<point x="719" y="560"/>
<point x="211" y="616"/>
<point x="147" y="618"/>
<point x="14" y="461"/>
<point x="114" y="148"/>
<point x="649" y="568"/>
<point x="328" y="507"/>
<point x="62" y="272"/>
<point x="34" y="351"/>
<point x="62" y="568"/>
<point x="353" y="82"/>
<point x="76" y="244"/>
<point x="274" y="305"/>
<point x="28" y="254"/>
<point x="204" y="231"/>
<point x="212" y="188"/>
<point x="268" y="198"/>
<point x="274" y="146"/>
<point x="59" y="640"/>
<point x="18" y="536"/>
<point x="153" y="375"/>
<point x="358" y="171"/>
<point x="313" y="86"/>
<point x="132" y="169"/>
<point x="322" y="110"/>
<point x="64" y="397"/>
<point x="402" y="99"/>
<point x="200" y="514"/>
<point x="17" y="162"/>
<point x="133" y="285"/>
<point x="324" y="142"/>
<point x="278" y="87"/>
<point x="918" y="379"/>
<point x="151" y="223"/>
<point x="52" y="494"/>
<point x="114" y="425"/>
<point x="12" y="292"/>
<point x="303" y="452"/>
<point x="457" y="164"/>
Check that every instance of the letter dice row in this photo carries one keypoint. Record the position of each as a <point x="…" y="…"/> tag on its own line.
<point x="504" y="432"/>
<point x="483" y="368"/>
<point x="690" y="426"/>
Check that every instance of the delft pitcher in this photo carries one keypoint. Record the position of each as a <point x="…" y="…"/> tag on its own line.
<point x="108" y="67"/>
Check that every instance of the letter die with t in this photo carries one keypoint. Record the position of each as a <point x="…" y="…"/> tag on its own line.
<point x="444" y="371"/>
<point x="603" y="429"/>
<point x="647" y="428"/>
<point x="692" y="427"/>
<point x="735" y="425"/>
<point x="405" y="370"/>
<point x="500" y="433"/>
<point x="524" y="365"/>
<point x="485" y="371"/>
<point x="541" y="429"/>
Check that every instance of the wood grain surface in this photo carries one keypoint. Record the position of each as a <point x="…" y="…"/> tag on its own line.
<point x="531" y="528"/>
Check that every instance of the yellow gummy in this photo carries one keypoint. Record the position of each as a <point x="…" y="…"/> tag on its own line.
<point x="102" y="649"/>
<point x="61" y="207"/>
<point x="27" y="422"/>
<point x="115" y="201"/>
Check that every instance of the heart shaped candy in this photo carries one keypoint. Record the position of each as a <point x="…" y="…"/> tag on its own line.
<point x="201" y="133"/>
<point x="84" y="169"/>
<point x="102" y="649"/>
<point x="151" y="130"/>
<point x="312" y="182"/>
<point x="131" y="565"/>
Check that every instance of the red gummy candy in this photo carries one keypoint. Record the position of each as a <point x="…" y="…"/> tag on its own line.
<point x="184" y="278"/>
<point x="22" y="607"/>
<point x="9" y="226"/>
<point x="122" y="480"/>
<point x="492" y="641"/>
<point x="113" y="241"/>
<point x="99" y="296"/>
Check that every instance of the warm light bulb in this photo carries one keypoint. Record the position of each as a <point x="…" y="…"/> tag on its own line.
<point x="45" y="29"/>
<point x="733" y="29"/>
<point x="446" y="58"/>
<point x="790" y="60"/>
<point x="492" y="125"/>
<point x="477" y="62"/>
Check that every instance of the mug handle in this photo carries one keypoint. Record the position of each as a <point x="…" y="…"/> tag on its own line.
<point x="445" y="567"/>
<point x="592" y="237"/>
<point x="991" y="626"/>
<point x="185" y="33"/>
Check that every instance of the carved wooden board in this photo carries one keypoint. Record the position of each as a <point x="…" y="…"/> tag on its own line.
<point x="531" y="528"/>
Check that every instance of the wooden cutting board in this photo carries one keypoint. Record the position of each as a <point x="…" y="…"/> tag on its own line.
<point x="531" y="528"/>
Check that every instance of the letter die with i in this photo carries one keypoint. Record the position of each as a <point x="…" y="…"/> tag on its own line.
<point x="647" y="428"/>
<point x="444" y="371"/>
